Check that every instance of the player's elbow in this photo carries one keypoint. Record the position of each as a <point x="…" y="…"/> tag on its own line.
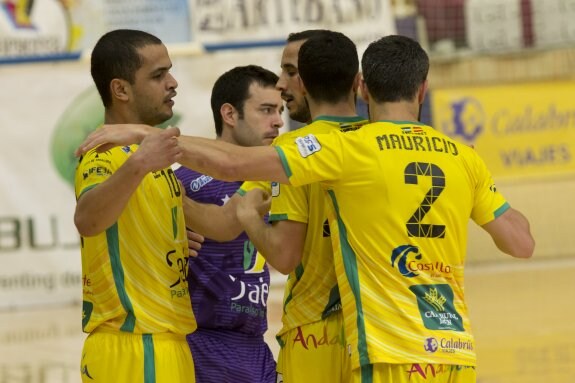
<point x="286" y="262"/>
<point x="88" y="223"/>
<point x="518" y="247"/>
<point x="524" y="248"/>
<point x="282" y="268"/>
<point x="225" y="235"/>
<point x="85" y="227"/>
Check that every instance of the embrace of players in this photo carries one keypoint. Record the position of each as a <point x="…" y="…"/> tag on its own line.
<point x="358" y="213"/>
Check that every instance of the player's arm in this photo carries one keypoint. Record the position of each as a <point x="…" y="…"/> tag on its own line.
<point x="231" y="162"/>
<point x="98" y="208"/>
<point x="221" y="160"/>
<point x="511" y="234"/>
<point x="281" y="243"/>
<point x="111" y="135"/>
<point x="216" y="222"/>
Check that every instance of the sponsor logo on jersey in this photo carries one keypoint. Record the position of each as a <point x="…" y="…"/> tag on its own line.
<point x="307" y="145"/>
<point x="200" y="182"/>
<point x="430" y="345"/>
<point x="251" y="298"/>
<point x="410" y="262"/>
<point x="310" y="340"/>
<point x="98" y="171"/>
<point x="447" y="345"/>
<point x="431" y="371"/>
<point x="435" y="304"/>
<point x="179" y="265"/>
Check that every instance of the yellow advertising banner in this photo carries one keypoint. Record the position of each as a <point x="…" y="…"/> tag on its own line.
<point x="519" y="130"/>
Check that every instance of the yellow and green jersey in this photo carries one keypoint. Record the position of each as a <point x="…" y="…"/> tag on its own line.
<point x="402" y="195"/>
<point x="134" y="273"/>
<point x="311" y="291"/>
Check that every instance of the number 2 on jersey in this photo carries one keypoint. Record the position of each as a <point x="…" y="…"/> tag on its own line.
<point x="414" y="226"/>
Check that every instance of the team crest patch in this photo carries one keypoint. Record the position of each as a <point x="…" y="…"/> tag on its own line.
<point x="307" y="145"/>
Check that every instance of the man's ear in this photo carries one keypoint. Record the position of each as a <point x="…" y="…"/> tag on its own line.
<point x="362" y="90"/>
<point x="302" y="86"/>
<point x="120" y="89"/>
<point x="421" y="92"/>
<point x="356" y="83"/>
<point x="229" y="114"/>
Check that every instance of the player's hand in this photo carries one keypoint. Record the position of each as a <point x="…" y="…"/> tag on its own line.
<point x="158" y="150"/>
<point x="110" y="135"/>
<point x="255" y="201"/>
<point x="195" y="241"/>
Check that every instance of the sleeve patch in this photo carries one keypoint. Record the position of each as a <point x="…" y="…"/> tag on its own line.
<point x="307" y="145"/>
<point x="275" y="189"/>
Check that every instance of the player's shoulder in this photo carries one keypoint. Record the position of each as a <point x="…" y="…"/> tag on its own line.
<point x="292" y="135"/>
<point x="116" y="155"/>
<point x="315" y="127"/>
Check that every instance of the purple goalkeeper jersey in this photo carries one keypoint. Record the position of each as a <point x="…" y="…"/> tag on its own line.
<point x="228" y="281"/>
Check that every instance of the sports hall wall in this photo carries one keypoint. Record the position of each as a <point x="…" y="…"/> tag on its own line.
<point x="501" y="80"/>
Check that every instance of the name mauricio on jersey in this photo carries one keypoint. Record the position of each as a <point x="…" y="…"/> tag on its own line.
<point x="307" y="145"/>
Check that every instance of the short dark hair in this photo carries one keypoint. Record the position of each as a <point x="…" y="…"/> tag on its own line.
<point x="115" y="55"/>
<point x="328" y="65"/>
<point x="304" y="35"/>
<point x="233" y="87"/>
<point x="394" y="67"/>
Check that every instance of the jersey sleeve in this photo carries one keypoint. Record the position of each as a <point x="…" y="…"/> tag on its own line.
<point x="290" y="203"/>
<point x="313" y="158"/>
<point x="489" y="203"/>
<point x="251" y="185"/>
<point x="93" y="169"/>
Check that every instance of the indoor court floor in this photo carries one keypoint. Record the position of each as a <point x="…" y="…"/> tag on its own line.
<point x="523" y="315"/>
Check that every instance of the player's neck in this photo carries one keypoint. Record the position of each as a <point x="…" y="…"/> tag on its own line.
<point x="394" y="111"/>
<point x="344" y="108"/>
<point x="227" y="135"/>
<point x="123" y="116"/>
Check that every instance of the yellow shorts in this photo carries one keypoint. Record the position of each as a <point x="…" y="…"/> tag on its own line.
<point x="113" y="356"/>
<point x="414" y="373"/>
<point x="315" y="353"/>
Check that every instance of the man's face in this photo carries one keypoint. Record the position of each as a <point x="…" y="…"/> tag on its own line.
<point x="290" y="85"/>
<point x="261" y="118"/>
<point x="154" y="86"/>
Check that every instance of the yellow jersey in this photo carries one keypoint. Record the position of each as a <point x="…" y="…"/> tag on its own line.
<point x="311" y="292"/>
<point x="134" y="273"/>
<point x="402" y="195"/>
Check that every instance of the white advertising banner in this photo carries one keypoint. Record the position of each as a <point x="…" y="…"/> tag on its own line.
<point x="220" y="23"/>
<point x="52" y="29"/>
